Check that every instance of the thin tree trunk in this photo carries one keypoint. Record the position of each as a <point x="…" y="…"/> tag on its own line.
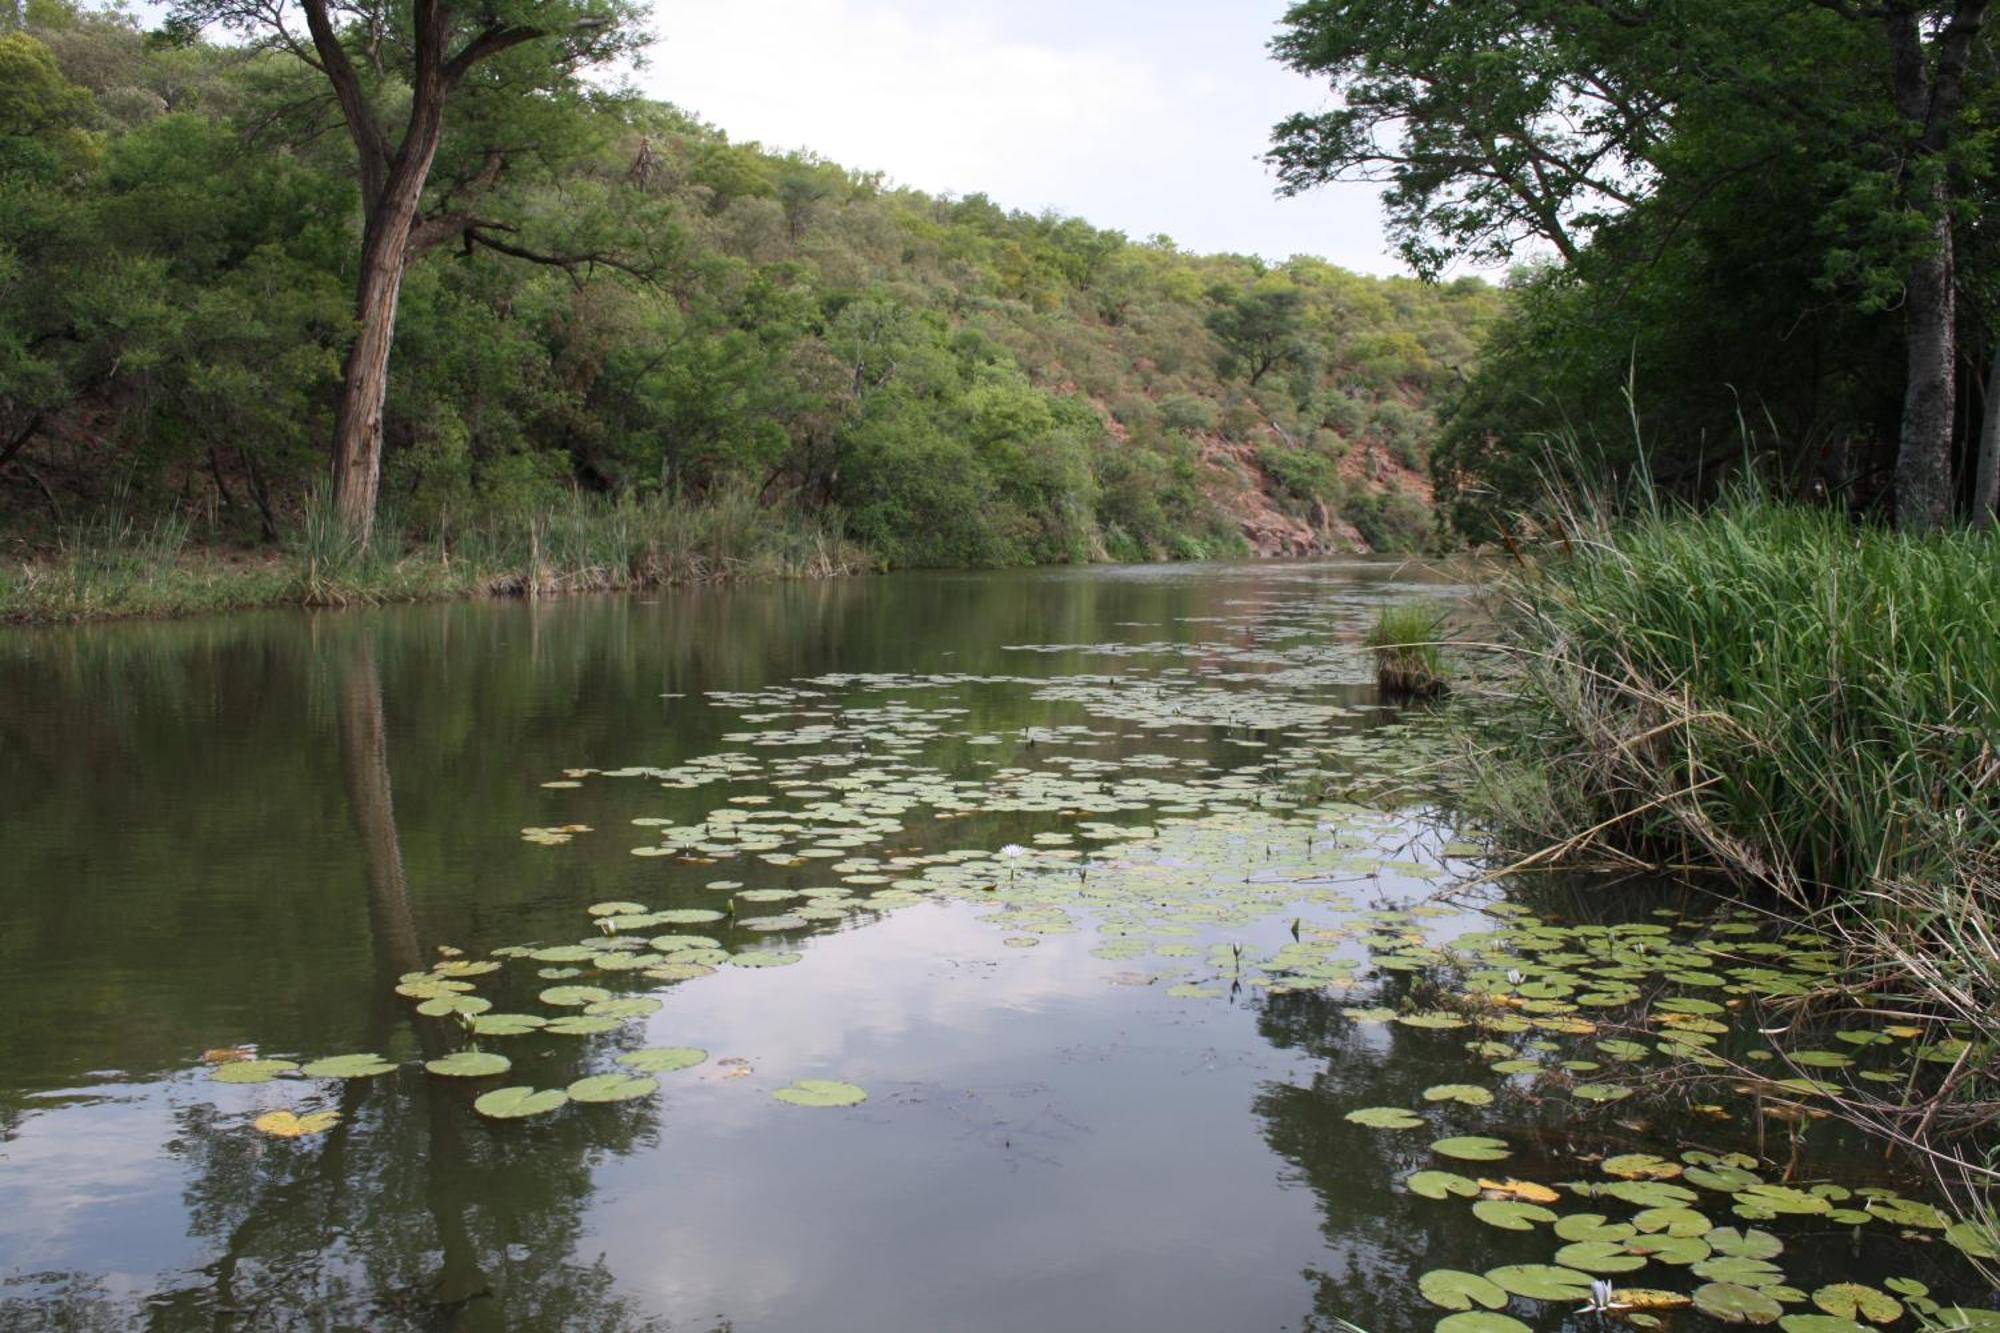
<point x="1923" y="455"/>
<point x="1986" y="478"/>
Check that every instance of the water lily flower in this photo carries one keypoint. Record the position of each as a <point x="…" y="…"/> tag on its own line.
<point x="1601" y="1298"/>
<point x="1013" y="851"/>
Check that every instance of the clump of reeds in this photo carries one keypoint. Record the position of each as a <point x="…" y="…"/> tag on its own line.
<point x="1405" y="640"/>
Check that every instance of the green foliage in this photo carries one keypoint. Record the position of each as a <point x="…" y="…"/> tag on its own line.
<point x="942" y="381"/>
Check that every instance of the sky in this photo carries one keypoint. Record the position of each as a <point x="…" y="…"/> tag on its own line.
<point x="1146" y="117"/>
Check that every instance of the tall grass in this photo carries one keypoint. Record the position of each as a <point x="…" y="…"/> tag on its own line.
<point x="118" y="568"/>
<point x="1405" y="641"/>
<point x="1808" y="706"/>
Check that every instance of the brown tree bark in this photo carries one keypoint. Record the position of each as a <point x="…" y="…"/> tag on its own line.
<point x="1986" y="475"/>
<point x="1929" y="87"/>
<point x="392" y="188"/>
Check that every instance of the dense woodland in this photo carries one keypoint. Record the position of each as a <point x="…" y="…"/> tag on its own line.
<point x="606" y="296"/>
<point x="1765" y="230"/>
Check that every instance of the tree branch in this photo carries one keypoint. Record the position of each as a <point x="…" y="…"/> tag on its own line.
<point x="369" y="140"/>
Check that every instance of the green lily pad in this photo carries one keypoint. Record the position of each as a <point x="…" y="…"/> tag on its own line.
<point x="687" y="916"/>
<point x="506" y="1025"/>
<point x="615" y="909"/>
<point x="443" y="1006"/>
<point x="1738" y="1271"/>
<point x="469" y="1064"/>
<point x="252" y="1071"/>
<point x="1673" y="1220"/>
<point x="1541" y="1282"/>
<point x="821" y="1092"/>
<point x="1854" y="1300"/>
<point x="1746" y="1244"/>
<point x="1734" y="1304"/>
<point x="1385" y="1117"/>
<point x="662" y="1059"/>
<point x="1592" y="1226"/>
<point x="627" y="1006"/>
<point x="582" y="1025"/>
<point x="764" y="958"/>
<point x="1440" y="1184"/>
<point x="1466" y="1094"/>
<point x="1472" y="1148"/>
<point x="1511" y="1214"/>
<point x="613" y="1088"/>
<point x="1819" y="1323"/>
<point x="1480" y="1321"/>
<point x="1451" y="1289"/>
<point x="565" y="996"/>
<point x="348" y="1066"/>
<point x="518" y="1102"/>
<point x="1598" y="1256"/>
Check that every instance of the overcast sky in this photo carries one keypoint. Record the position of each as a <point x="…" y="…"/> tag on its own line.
<point x="1142" y="115"/>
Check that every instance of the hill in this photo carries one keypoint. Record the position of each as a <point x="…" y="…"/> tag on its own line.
<point x="643" y="307"/>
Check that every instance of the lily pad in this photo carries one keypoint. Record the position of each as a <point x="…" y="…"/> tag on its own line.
<point x="1734" y="1304"/>
<point x="1599" y="1256"/>
<point x="290" y="1125"/>
<point x="1480" y="1321"/>
<point x="1466" y="1094"/>
<point x="506" y="1025"/>
<point x="568" y="996"/>
<point x="469" y="1064"/>
<point x="662" y="1059"/>
<point x="519" y="1102"/>
<point x="1472" y="1148"/>
<point x="1511" y="1214"/>
<point x="1748" y="1244"/>
<point x="1385" y="1117"/>
<point x="348" y="1066"/>
<point x="821" y="1092"/>
<point x="613" y="1088"/>
<point x="1440" y="1184"/>
<point x="582" y="1025"/>
<point x="764" y="958"/>
<point x="1541" y="1282"/>
<point x="1855" y="1300"/>
<point x="1452" y="1289"/>
<point x="252" y="1071"/>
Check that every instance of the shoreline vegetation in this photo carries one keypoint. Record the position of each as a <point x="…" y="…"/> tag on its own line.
<point x="1809" y="708"/>
<point x="119" y="569"/>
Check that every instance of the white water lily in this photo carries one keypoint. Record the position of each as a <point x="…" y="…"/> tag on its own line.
<point x="1013" y="851"/>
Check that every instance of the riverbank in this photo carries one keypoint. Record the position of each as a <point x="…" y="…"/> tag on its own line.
<point x="117" y="570"/>
<point x="1810" y="709"/>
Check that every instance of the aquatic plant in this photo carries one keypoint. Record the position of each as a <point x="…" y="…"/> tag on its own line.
<point x="1405" y="639"/>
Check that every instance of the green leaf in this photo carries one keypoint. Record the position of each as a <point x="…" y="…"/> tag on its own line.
<point x="469" y="1064"/>
<point x="1466" y="1094"/>
<point x="506" y="1025"/>
<point x="613" y="1088"/>
<point x="1439" y="1184"/>
<point x="348" y="1066"/>
<point x="1598" y="1256"/>
<point x="577" y="996"/>
<point x="1854" y="1300"/>
<point x="1541" y="1282"/>
<point x="1734" y="1304"/>
<point x="764" y="958"/>
<point x="1385" y="1117"/>
<point x="252" y="1071"/>
<point x="1591" y="1226"/>
<point x="1481" y="1321"/>
<point x="1511" y="1214"/>
<point x="1472" y="1148"/>
<point x="821" y="1092"/>
<point x="662" y="1059"/>
<point x="518" y="1102"/>
<point x="1750" y="1244"/>
<point x="1452" y="1289"/>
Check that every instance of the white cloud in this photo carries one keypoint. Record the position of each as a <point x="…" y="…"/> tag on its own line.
<point x="1158" y="134"/>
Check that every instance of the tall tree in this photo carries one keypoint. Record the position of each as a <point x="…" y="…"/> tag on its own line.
<point x="1500" y="125"/>
<point x="381" y="59"/>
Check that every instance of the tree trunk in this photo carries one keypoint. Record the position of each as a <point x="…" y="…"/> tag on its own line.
<point x="1986" y="478"/>
<point x="1923" y="454"/>
<point x="357" y="420"/>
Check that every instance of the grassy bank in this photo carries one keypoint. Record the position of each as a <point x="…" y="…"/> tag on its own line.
<point x="119" y="568"/>
<point x="1808" y="707"/>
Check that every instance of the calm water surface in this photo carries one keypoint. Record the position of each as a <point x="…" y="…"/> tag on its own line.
<point x="240" y="833"/>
